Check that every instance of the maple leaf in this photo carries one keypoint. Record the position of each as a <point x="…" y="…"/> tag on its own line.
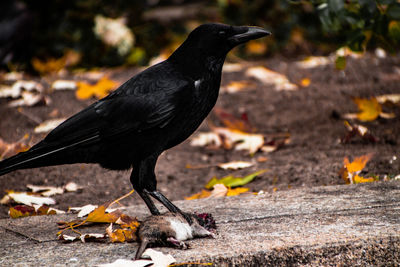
<point x="350" y="170"/>
<point x="99" y="215"/>
<point x="99" y="90"/>
<point x="122" y="235"/>
<point x="231" y="181"/>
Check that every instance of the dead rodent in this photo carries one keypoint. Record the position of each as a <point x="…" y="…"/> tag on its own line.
<point x="171" y="229"/>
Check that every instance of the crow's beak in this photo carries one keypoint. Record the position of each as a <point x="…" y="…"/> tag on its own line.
<point x="247" y="33"/>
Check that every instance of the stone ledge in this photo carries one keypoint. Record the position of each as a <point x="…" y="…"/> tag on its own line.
<point x="346" y="224"/>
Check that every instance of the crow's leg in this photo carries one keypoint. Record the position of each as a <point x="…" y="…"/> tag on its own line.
<point x="168" y="204"/>
<point x="149" y="203"/>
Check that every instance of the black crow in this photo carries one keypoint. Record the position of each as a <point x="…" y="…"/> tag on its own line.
<point x="153" y="111"/>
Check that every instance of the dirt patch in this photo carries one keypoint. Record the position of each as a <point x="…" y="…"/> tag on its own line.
<point x="310" y="114"/>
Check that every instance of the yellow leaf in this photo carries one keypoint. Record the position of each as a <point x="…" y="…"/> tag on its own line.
<point x="305" y="82"/>
<point x="48" y="66"/>
<point x="359" y="179"/>
<point x="100" y="215"/>
<point x="99" y="90"/>
<point x="256" y="47"/>
<point x="369" y="108"/>
<point x="236" y="191"/>
<point x="202" y="194"/>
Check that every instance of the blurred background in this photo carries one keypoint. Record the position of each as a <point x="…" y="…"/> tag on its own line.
<point x="40" y="34"/>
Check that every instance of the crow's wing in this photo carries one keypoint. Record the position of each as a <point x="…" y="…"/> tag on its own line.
<point x="122" y="113"/>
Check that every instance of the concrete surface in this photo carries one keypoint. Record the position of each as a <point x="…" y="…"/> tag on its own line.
<point x="332" y="225"/>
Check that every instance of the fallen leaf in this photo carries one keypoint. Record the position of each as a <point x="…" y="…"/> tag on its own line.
<point x="99" y="90"/>
<point x="236" y="191"/>
<point x="357" y="130"/>
<point x="48" y="125"/>
<point x="305" y="82"/>
<point x="232" y="67"/>
<point x="99" y="215"/>
<point x="313" y="62"/>
<point x="269" y="77"/>
<point x="235" y="165"/>
<point x="127" y="263"/>
<point x="85" y="210"/>
<point x="359" y="179"/>
<point x="389" y="98"/>
<point x="370" y="109"/>
<point x="121" y="235"/>
<point x="351" y="169"/>
<point x="72" y="187"/>
<point x="46" y="190"/>
<point x="340" y="62"/>
<point x="202" y="194"/>
<point x="237" y="86"/>
<point x="10" y="149"/>
<point x="82" y="237"/>
<point x="234" y="123"/>
<point x="160" y="259"/>
<point x="49" y="65"/>
<point x="24" y="211"/>
<point x="30" y="199"/>
<point x="64" y="85"/>
<point x="29" y="99"/>
<point x="231" y="181"/>
<point x="256" y="47"/>
<point x="219" y="190"/>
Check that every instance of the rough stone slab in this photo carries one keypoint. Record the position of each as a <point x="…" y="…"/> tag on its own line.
<point x="351" y="225"/>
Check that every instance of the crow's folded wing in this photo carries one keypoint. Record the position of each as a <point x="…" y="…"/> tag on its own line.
<point x="120" y="114"/>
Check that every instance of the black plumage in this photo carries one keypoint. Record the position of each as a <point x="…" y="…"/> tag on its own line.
<point x="151" y="112"/>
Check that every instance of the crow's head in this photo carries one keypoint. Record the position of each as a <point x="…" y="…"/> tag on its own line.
<point x="216" y="40"/>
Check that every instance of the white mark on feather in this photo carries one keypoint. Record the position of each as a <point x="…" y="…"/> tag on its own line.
<point x="197" y="83"/>
<point x="183" y="230"/>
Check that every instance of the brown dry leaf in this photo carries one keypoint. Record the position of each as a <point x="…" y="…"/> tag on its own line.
<point x="389" y="98"/>
<point x="357" y="130"/>
<point x="233" y="122"/>
<point x="269" y="77"/>
<point x="237" y="86"/>
<point x="99" y="90"/>
<point x="10" y="149"/>
<point x="24" y="211"/>
<point x="351" y="169"/>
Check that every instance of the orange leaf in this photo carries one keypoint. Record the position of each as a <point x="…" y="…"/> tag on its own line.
<point x="99" y="90"/>
<point x="202" y="194"/>
<point x="121" y="235"/>
<point x="305" y="82"/>
<point x="100" y="215"/>
<point x="236" y="191"/>
<point x="358" y="163"/>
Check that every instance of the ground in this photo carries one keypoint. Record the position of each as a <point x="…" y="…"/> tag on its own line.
<point x="311" y="115"/>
